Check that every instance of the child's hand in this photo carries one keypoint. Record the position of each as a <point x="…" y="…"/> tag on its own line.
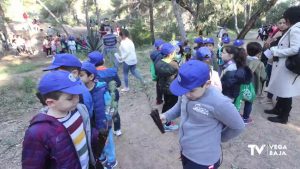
<point x="163" y="118"/>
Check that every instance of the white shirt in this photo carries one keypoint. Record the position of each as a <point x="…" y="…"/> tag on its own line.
<point x="127" y="50"/>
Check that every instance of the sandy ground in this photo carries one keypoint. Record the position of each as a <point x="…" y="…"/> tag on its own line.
<point x="142" y="146"/>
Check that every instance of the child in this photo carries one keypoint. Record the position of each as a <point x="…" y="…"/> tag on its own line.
<point x="72" y="45"/>
<point x="205" y="122"/>
<point x="225" y="41"/>
<point x="71" y="63"/>
<point x="60" y="136"/>
<point x="210" y="43"/>
<point x="166" y="70"/>
<point x="155" y="56"/>
<point x="256" y="65"/>
<point x="108" y="75"/>
<point x="101" y="100"/>
<point x="234" y="71"/>
<point x="204" y="54"/>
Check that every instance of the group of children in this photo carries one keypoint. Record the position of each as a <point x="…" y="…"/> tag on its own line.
<point x="74" y="128"/>
<point x="235" y="71"/>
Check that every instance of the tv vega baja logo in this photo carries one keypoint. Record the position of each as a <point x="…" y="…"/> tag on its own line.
<point x="270" y="149"/>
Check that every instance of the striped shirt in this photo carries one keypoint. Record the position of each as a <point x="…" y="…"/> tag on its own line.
<point x="74" y="125"/>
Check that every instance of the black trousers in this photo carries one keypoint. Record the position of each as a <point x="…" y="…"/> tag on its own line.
<point x="188" y="164"/>
<point x="283" y="106"/>
<point x="169" y="101"/>
<point x="159" y="93"/>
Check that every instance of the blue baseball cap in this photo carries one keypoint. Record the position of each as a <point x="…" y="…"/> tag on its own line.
<point x="191" y="75"/>
<point x="198" y="40"/>
<point x="158" y="43"/>
<point x="167" y="48"/>
<point x="238" y="42"/>
<point x="203" y="53"/>
<point x="64" y="59"/>
<point x="209" y="40"/>
<point x="95" y="57"/>
<point x="226" y="40"/>
<point x="62" y="81"/>
<point x="87" y="66"/>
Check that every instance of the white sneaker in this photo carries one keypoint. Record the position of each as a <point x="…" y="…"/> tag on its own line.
<point x="117" y="133"/>
<point x="125" y="89"/>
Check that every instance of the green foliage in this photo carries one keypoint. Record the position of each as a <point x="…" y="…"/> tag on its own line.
<point x="56" y="7"/>
<point x="19" y="68"/>
<point x="93" y="41"/>
<point x="168" y="31"/>
<point x="28" y="85"/>
<point x="276" y="12"/>
<point x="139" y="33"/>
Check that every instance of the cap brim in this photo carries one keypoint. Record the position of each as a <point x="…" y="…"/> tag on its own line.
<point x="178" y="90"/>
<point x="77" y="89"/>
<point x="51" y="67"/>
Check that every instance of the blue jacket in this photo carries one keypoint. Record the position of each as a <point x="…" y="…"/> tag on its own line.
<point x="99" y="107"/>
<point x="107" y="75"/>
<point x="88" y="101"/>
<point x="232" y="80"/>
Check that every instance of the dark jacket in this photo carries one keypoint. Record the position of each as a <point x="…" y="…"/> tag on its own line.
<point x="232" y="80"/>
<point x="48" y="145"/>
<point x="99" y="118"/>
<point x="156" y="56"/>
<point x="166" y="73"/>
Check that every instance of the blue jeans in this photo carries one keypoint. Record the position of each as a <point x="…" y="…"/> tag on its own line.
<point x="110" y="53"/>
<point x="247" y="109"/>
<point x="109" y="149"/>
<point x="133" y="71"/>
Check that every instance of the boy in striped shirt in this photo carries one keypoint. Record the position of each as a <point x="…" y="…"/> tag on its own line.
<point x="59" y="136"/>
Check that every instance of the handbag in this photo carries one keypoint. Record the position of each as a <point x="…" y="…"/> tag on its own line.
<point x="247" y="93"/>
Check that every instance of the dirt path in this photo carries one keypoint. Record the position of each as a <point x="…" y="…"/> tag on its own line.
<point x="142" y="146"/>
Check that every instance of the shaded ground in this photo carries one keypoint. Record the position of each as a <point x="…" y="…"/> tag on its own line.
<point x="141" y="145"/>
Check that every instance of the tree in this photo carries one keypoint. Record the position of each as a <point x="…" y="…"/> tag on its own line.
<point x="97" y="12"/>
<point x="235" y="13"/>
<point x="151" y="20"/>
<point x="3" y="27"/>
<point x="178" y="13"/>
<point x="87" y="20"/>
<point x="56" y="19"/>
<point x="263" y="8"/>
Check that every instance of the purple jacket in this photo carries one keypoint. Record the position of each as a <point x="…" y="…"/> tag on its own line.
<point x="48" y="145"/>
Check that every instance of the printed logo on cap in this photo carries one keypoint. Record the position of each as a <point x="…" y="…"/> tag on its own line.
<point x="179" y="78"/>
<point x="72" y="78"/>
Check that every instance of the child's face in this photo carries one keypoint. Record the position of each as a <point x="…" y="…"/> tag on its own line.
<point x="85" y="78"/>
<point x="210" y="46"/>
<point x="226" y="56"/>
<point x="197" y="92"/>
<point x="65" y="103"/>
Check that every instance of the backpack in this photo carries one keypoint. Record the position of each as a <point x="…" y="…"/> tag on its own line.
<point x="292" y="63"/>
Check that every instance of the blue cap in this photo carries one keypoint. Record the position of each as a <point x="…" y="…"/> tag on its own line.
<point x="203" y="53"/>
<point x="238" y="42"/>
<point x="191" y="75"/>
<point x="71" y="37"/>
<point x="87" y="66"/>
<point x="95" y="57"/>
<point x="180" y="43"/>
<point x="158" y="43"/>
<point x="198" y="40"/>
<point x="209" y="40"/>
<point x="226" y="40"/>
<point x="62" y="81"/>
<point x="64" y="59"/>
<point x="167" y="48"/>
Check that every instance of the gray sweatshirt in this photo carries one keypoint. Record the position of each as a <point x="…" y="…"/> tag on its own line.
<point x="204" y="124"/>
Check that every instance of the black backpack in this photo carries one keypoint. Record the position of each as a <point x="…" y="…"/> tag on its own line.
<point x="292" y="63"/>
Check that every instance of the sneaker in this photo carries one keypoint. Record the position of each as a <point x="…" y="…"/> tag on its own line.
<point x="103" y="160"/>
<point x="247" y="121"/>
<point x="111" y="165"/>
<point x="171" y="127"/>
<point x="125" y="89"/>
<point x="117" y="133"/>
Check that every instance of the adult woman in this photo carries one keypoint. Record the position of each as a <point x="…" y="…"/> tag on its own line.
<point x="283" y="83"/>
<point x="272" y="41"/>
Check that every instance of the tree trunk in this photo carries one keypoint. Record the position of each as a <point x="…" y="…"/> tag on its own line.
<point x="237" y="31"/>
<point x="245" y="13"/>
<point x="263" y="8"/>
<point x="56" y="19"/>
<point x="3" y="28"/>
<point x="177" y="13"/>
<point x="97" y="13"/>
<point x="151" y="21"/>
<point x="87" y="20"/>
